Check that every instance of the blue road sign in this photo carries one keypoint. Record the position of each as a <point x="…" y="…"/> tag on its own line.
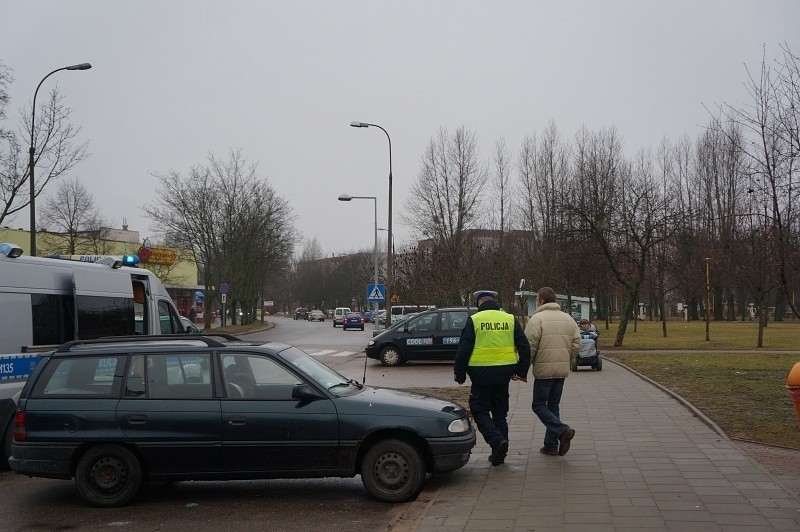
<point x="376" y="292"/>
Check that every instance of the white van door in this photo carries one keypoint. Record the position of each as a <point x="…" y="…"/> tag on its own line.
<point x="103" y="303"/>
<point x="102" y="283"/>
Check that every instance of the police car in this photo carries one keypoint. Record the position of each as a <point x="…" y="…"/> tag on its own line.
<point x="429" y="336"/>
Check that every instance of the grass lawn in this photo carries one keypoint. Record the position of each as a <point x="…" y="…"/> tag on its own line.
<point x="740" y="387"/>
<point x="692" y="335"/>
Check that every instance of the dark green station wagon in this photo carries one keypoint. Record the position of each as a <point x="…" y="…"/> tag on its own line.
<point x="116" y="412"/>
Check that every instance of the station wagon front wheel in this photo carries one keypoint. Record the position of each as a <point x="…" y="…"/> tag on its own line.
<point x="108" y="475"/>
<point x="390" y="356"/>
<point x="393" y="471"/>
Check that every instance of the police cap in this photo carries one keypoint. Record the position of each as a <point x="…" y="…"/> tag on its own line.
<point x="480" y="294"/>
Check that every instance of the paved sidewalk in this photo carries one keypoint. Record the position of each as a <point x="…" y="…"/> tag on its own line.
<point x="640" y="459"/>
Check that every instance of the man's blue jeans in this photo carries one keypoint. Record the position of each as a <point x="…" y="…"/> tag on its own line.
<point x="546" y="398"/>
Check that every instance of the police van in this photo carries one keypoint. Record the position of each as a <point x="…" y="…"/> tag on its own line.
<point x="45" y="302"/>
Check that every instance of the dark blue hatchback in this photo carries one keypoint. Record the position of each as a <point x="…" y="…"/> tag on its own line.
<point x="116" y="412"/>
<point x="353" y="320"/>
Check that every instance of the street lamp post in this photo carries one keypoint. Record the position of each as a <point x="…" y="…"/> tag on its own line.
<point x="389" y="258"/>
<point x="708" y="301"/>
<point x="32" y="152"/>
<point x="346" y="197"/>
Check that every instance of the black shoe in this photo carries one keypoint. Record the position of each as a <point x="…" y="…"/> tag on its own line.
<point x="499" y="453"/>
<point x="563" y="441"/>
<point x="544" y="450"/>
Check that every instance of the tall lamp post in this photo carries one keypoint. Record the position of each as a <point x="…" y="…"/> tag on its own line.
<point x="346" y="197"/>
<point x="32" y="152"/>
<point x="389" y="258"/>
<point x="708" y="300"/>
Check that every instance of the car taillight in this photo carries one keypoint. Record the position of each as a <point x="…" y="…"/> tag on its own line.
<point x="20" y="434"/>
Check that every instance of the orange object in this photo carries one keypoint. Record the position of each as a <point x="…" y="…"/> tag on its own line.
<point x="793" y="387"/>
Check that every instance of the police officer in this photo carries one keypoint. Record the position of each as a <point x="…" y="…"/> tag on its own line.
<point x="492" y="350"/>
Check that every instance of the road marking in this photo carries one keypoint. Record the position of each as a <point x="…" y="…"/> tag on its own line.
<point x="321" y="353"/>
<point x="344" y="354"/>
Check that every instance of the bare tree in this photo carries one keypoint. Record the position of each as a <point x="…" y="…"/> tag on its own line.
<point x="57" y="149"/>
<point x="544" y="170"/>
<point x="6" y="79"/>
<point x="506" y="273"/>
<point x="445" y="199"/>
<point x="622" y="207"/>
<point x="70" y="212"/>
<point x="238" y="228"/>
<point x="772" y="121"/>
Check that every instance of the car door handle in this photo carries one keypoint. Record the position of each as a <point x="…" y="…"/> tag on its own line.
<point x="137" y="419"/>
<point x="237" y="421"/>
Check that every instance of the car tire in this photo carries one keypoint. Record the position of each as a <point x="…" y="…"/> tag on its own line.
<point x="8" y="438"/>
<point x="390" y="356"/>
<point x="599" y="365"/>
<point x="362" y="328"/>
<point x="108" y="475"/>
<point x="573" y="364"/>
<point x="393" y="471"/>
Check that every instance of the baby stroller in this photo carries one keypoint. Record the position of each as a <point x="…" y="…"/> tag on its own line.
<point x="589" y="353"/>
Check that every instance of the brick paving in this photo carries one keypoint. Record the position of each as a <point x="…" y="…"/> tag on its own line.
<point x="641" y="459"/>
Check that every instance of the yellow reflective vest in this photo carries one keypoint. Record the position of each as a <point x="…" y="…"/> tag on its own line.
<point x="494" y="339"/>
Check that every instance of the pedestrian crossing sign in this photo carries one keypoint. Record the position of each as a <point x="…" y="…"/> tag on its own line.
<point x="376" y="292"/>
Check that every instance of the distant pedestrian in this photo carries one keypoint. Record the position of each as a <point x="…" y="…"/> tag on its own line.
<point x="192" y="314"/>
<point x="554" y="339"/>
<point x="492" y="350"/>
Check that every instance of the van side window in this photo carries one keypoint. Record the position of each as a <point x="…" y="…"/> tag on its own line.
<point x="100" y="316"/>
<point x="170" y="322"/>
<point x="423" y="323"/>
<point x="454" y="320"/>
<point x="53" y="319"/>
<point x="88" y="377"/>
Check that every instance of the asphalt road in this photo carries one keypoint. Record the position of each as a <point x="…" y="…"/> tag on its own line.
<point x="304" y="504"/>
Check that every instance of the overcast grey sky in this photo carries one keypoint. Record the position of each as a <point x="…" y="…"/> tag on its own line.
<point x="173" y="81"/>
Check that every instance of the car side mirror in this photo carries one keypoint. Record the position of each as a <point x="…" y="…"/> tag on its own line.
<point x="304" y="392"/>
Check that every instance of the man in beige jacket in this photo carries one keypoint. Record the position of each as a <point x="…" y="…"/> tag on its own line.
<point x="555" y="338"/>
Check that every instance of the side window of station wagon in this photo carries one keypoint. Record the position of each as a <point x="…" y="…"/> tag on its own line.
<point x="85" y="376"/>
<point x="157" y="376"/>
<point x="249" y="376"/>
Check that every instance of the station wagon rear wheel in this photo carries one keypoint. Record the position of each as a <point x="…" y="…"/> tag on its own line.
<point x="393" y="471"/>
<point x="108" y="475"/>
<point x="390" y="356"/>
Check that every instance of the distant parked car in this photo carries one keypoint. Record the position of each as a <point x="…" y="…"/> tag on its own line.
<point x="301" y="313"/>
<point x="338" y="315"/>
<point x="353" y="320"/>
<point x="316" y="315"/>
<point x="369" y="316"/>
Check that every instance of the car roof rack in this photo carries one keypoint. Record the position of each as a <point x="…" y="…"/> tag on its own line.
<point x="210" y="342"/>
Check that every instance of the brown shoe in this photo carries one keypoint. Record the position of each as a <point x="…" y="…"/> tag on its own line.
<point x="563" y="441"/>
<point x="544" y="450"/>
